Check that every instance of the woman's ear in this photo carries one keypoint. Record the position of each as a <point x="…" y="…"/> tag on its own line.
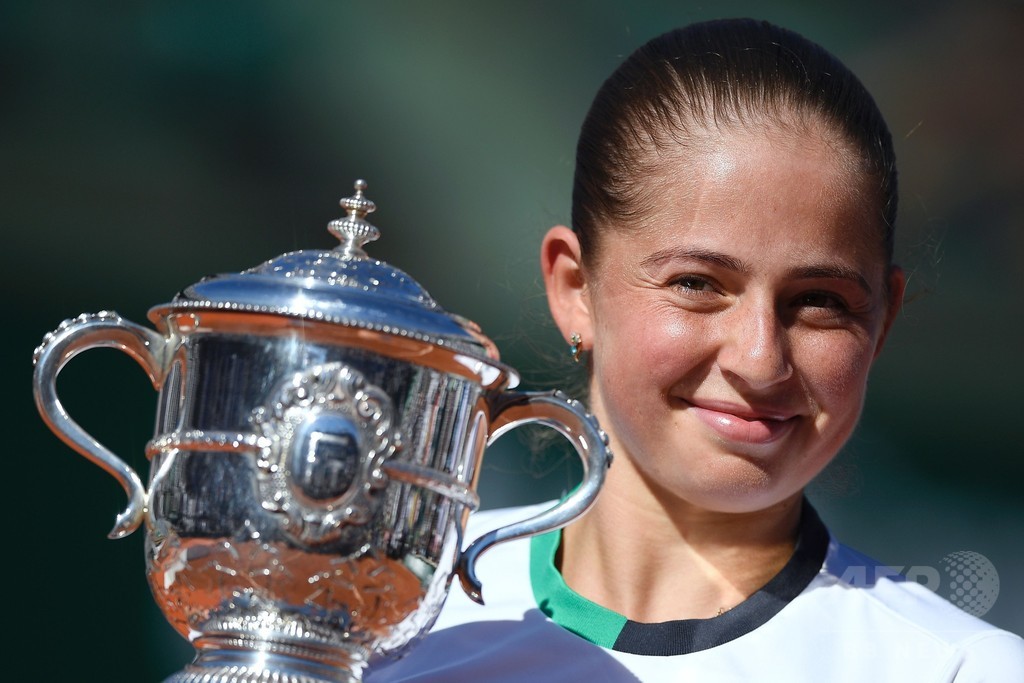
<point x="897" y="286"/>
<point x="565" y="283"/>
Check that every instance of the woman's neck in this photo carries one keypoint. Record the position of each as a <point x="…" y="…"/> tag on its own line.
<point x="650" y="564"/>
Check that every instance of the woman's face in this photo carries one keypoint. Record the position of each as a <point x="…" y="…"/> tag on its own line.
<point x="733" y="329"/>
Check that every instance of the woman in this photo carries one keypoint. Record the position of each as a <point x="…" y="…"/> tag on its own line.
<point x="728" y="279"/>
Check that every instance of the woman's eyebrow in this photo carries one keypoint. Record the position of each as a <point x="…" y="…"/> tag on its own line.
<point x="832" y="272"/>
<point x="691" y="253"/>
<point x="828" y="271"/>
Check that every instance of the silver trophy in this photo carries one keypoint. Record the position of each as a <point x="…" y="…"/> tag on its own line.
<point x="320" y="426"/>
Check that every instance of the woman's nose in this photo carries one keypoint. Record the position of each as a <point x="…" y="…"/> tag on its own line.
<point x="755" y="346"/>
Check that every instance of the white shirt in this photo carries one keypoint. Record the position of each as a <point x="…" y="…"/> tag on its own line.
<point x="844" y="618"/>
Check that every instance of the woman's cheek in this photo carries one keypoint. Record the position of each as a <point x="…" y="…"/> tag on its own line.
<point x="678" y="328"/>
<point x="665" y="349"/>
<point x="836" y="370"/>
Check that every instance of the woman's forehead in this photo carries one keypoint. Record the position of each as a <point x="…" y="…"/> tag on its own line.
<point x="750" y="192"/>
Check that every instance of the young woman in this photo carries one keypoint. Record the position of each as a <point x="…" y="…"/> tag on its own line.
<point x="728" y="279"/>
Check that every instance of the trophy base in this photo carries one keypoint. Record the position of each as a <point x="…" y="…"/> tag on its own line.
<point x="254" y="666"/>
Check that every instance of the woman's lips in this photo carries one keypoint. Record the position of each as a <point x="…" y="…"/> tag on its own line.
<point x="749" y="429"/>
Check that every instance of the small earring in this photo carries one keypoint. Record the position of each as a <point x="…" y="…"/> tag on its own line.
<point x="576" y="346"/>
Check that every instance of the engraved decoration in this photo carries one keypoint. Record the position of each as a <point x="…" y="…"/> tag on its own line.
<point x="327" y="433"/>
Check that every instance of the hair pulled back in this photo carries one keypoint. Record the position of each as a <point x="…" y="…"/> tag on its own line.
<point x="718" y="75"/>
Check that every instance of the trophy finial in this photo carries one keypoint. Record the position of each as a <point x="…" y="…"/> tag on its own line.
<point x="354" y="230"/>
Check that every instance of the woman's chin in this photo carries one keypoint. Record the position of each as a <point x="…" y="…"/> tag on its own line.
<point x="737" y="487"/>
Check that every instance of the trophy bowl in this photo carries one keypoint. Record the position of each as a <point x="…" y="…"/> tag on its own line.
<point x="320" y="426"/>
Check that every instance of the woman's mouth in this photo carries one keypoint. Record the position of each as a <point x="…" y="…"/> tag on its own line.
<point x="739" y="425"/>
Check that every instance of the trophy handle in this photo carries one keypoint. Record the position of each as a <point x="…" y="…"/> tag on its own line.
<point x="567" y="416"/>
<point x="88" y="331"/>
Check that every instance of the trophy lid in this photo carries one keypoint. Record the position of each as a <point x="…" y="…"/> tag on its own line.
<point x="342" y="286"/>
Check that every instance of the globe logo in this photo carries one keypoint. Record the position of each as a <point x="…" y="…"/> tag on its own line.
<point x="972" y="581"/>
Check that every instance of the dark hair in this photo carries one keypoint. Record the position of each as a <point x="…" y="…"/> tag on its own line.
<point x="716" y="74"/>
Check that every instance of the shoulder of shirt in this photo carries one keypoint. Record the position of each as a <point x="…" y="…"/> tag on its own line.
<point x="977" y="650"/>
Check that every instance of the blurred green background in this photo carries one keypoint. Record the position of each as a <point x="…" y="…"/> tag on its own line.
<point x="144" y="145"/>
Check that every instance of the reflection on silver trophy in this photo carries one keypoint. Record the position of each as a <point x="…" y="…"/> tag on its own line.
<point x="319" y="432"/>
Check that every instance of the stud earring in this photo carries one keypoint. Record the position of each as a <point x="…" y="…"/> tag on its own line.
<point x="576" y="346"/>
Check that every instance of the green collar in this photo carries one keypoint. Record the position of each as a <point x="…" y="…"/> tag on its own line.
<point x="613" y="631"/>
<point x="563" y="605"/>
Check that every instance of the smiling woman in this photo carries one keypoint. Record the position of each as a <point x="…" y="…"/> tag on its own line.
<point x="729" y="278"/>
<point x="756" y="310"/>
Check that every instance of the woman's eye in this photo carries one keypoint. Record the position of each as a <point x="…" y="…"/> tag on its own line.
<point x="693" y="284"/>
<point x="821" y="300"/>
